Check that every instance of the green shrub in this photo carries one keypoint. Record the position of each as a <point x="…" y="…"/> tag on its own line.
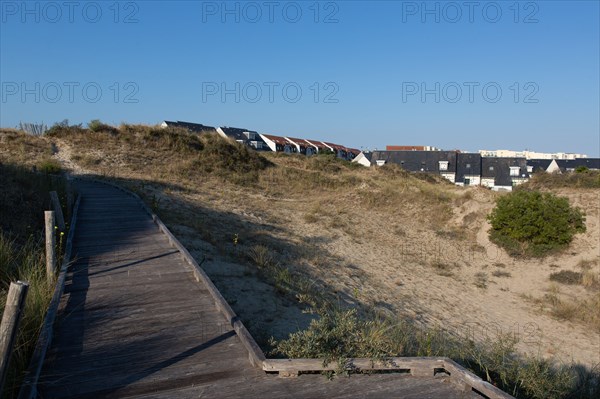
<point x="531" y="223"/>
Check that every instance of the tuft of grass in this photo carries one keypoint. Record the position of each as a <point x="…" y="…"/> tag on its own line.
<point x="481" y="280"/>
<point x="501" y="273"/>
<point x="568" y="277"/>
<point x="50" y="166"/>
<point x="590" y="279"/>
<point x="444" y="269"/>
<point x="261" y="256"/>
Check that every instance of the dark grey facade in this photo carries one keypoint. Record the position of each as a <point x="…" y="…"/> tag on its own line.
<point x="569" y="165"/>
<point x="505" y="172"/>
<point x="467" y="166"/>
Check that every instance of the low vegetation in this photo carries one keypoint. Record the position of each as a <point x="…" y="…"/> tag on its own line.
<point x="23" y="198"/>
<point x="582" y="178"/>
<point x="566" y="277"/>
<point x="532" y="223"/>
<point x="340" y="334"/>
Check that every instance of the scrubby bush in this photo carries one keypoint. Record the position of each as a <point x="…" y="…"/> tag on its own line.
<point x="229" y="160"/>
<point x="97" y="126"/>
<point x="531" y="223"/>
<point x="62" y="128"/>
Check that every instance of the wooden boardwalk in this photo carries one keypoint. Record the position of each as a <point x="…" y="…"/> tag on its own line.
<point x="134" y="322"/>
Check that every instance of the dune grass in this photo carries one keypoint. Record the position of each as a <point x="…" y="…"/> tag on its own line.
<point x="24" y="197"/>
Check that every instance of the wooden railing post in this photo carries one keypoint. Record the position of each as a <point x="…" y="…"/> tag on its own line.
<point x="60" y="219"/>
<point x="69" y="199"/>
<point x="50" y="245"/>
<point x="15" y="303"/>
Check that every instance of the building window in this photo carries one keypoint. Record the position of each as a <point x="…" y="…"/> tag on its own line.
<point x="529" y="169"/>
<point x="250" y="135"/>
<point x="491" y="168"/>
<point x="468" y="166"/>
<point x="514" y="171"/>
<point x="443" y="165"/>
<point x="380" y="162"/>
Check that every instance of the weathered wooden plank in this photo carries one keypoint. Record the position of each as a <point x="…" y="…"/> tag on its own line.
<point x="420" y="366"/>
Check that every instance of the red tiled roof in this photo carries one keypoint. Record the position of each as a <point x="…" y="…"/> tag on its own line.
<point x="336" y="146"/>
<point x="315" y="143"/>
<point x="301" y="142"/>
<point x="277" y="139"/>
<point x="405" y="148"/>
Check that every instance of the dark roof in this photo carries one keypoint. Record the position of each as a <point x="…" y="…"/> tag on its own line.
<point x="193" y="127"/>
<point x="239" y="134"/>
<point x="539" y="164"/>
<point x="467" y="164"/>
<point x="427" y="161"/>
<point x="499" y="169"/>
<point x="368" y="155"/>
<point x="590" y="163"/>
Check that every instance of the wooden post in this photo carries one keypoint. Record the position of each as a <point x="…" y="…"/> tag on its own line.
<point x="69" y="199"/>
<point x="60" y="219"/>
<point x="15" y="303"/>
<point x="50" y="245"/>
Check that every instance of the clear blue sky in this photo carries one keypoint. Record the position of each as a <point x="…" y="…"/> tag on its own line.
<point x="371" y="73"/>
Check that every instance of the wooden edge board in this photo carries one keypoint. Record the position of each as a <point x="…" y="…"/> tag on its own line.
<point x="475" y="382"/>
<point x="29" y="386"/>
<point x="417" y="366"/>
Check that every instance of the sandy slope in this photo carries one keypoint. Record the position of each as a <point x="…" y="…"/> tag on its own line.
<point x="377" y="266"/>
<point x="389" y="261"/>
